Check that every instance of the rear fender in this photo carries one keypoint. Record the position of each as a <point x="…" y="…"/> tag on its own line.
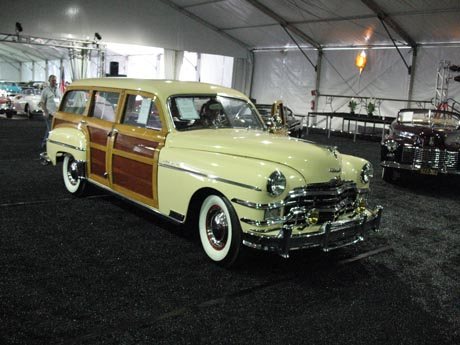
<point x="66" y="141"/>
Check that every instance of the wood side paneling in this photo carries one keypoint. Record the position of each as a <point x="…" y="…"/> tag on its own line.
<point x="97" y="162"/>
<point x="135" y="145"/>
<point x="98" y="135"/>
<point x="132" y="175"/>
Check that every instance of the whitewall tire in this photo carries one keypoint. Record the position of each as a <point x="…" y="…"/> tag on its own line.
<point x="220" y="231"/>
<point x="73" y="183"/>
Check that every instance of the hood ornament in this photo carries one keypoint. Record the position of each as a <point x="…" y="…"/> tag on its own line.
<point x="333" y="150"/>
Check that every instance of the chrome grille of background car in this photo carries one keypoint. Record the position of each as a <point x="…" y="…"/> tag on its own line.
<point x="330" y="199"/>
<point x="431" y="158"/>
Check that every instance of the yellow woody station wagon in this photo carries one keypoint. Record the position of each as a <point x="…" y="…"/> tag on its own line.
<point x="200" y="154"/>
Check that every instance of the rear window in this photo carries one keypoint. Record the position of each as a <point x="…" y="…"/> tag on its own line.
<point x="105" y="105"/>
<point x="75" y="102"/>
<point x="141" y="111"/>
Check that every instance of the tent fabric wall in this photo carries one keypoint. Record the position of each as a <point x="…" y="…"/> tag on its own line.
<point x="242" y="74"/>
<point x="385" y="76"/>
<point x="288" y="76"/>
<point x="173" y="62"/>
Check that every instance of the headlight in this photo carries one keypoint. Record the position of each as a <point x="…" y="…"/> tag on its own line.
<point x="367" y="171"/>
<point x="276" y="183"/>
<point x="391" y="145"/>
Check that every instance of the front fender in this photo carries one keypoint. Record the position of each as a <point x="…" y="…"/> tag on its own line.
<point x="66" y="140"/>
<point x="351" y="170"/>
<point x="181" y="173"/>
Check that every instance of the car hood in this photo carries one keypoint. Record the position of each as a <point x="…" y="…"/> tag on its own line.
<point x="301" y="155"/>
<point x="441" y="137"/>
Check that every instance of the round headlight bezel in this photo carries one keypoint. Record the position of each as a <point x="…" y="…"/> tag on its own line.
<point x="276" y="183"/>
<point x="367" y="172"/>
<point x="391" y="145"/>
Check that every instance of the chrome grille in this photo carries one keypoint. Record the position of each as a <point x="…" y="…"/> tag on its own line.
<point x="330" y="199"/>
<point x="431" y="158"/>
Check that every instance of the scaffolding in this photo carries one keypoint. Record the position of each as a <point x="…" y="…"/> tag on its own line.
<point x="443" y="77"/>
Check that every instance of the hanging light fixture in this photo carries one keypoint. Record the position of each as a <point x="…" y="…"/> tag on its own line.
<point x="361" y="60"/>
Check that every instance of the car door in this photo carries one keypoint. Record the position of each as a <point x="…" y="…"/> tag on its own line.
<point x="135" y="145"/>
<point x="99" y="124"/>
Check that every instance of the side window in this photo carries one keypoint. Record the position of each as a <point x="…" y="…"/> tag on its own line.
<point x="105" y="105"/>
<point x="75" y="101"/>
<point x="141" y="111"/>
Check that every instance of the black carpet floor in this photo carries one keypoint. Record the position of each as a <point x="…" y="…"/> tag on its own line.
<point x="97" y="270"/>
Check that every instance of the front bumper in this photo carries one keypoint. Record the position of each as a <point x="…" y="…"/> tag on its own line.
<point x="331" y="235"/>
<point x="419" y="168"/>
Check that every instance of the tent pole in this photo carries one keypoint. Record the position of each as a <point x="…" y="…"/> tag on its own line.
<point x="412" y="76"/>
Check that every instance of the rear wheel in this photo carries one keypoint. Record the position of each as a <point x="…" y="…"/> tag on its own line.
<point x="71" y="176"/>
<point x="220" y="230"/>
<point x="27" y="111"/>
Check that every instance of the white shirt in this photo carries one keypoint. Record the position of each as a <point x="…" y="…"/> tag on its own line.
<point x="47" y="101"/>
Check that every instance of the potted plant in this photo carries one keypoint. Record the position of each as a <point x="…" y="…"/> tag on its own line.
<point x="370" y="107"/>
<point x="352" y="105"/>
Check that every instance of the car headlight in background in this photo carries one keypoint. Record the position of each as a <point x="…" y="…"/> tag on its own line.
<point x="391" y="145"/>
<point x="367" y="171"/>
<point x="276" y="183"/>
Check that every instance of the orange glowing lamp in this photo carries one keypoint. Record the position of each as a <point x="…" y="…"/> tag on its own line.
<point x="361" y="60"/>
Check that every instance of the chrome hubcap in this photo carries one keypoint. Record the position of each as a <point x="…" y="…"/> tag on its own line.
<point x="72" y="172"/>
<point x="216" y="227"/>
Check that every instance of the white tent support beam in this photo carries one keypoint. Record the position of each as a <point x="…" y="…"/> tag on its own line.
<point x="318" y="78"/>
<point x="281" y="21"/>
<point x="384" y="17"/>
<point x="209" y="2"/>
<point x="412" y="76"/>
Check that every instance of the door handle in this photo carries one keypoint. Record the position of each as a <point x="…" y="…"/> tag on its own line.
<point x="112" y="132"/>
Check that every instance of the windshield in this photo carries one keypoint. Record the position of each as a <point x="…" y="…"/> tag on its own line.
<point x="429" y="117"/>
<point x="199" y="112"/>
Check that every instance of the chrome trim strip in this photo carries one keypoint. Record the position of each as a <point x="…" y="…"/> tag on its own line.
<point x="270" y="206"/>
<point x="66" y="145"/>
<point x="211" y="177"/>
<point x="411" y="167"/>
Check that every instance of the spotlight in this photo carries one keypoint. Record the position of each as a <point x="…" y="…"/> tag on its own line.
<point x="97" y="36"/>
<point x="18" y="27"/>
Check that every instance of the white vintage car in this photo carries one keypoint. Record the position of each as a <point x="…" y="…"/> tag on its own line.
<point x="27" y="102"/>
<point x="200" y="154"/>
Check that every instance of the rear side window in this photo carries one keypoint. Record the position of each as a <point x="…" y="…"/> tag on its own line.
<point x="75" y="101"/>
<point x="105" y="105"/>
<point x="141" y="111"/>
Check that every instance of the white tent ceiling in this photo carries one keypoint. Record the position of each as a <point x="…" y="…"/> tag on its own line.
<point x="282" y="24"/>
<point x="260" y="24"/>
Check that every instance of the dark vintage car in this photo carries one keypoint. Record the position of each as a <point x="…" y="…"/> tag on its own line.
<point x="424" y="141"/>
<point x="269" y="112"/>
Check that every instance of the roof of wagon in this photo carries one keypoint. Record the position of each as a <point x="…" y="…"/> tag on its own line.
<point x="162" y="88"/>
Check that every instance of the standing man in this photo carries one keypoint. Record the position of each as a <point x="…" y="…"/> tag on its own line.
<point x="48" y="104"/>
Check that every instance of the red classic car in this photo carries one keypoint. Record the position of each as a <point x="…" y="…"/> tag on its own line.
<point x="425" y="141"/>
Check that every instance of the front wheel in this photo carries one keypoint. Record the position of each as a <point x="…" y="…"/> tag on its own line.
<point x="220" y="230"/>
<point x="71" y="176"/>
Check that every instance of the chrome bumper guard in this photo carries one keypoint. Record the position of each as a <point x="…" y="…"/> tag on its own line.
<point x="415" y="167"/>
<point x="332" y="235"/>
